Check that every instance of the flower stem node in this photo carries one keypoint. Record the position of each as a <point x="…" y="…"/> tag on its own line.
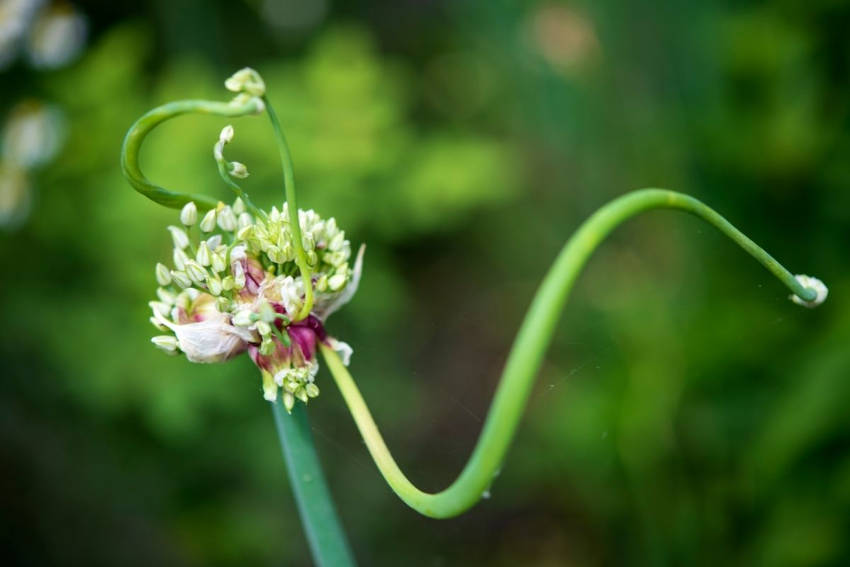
<point x="814" y="284"/>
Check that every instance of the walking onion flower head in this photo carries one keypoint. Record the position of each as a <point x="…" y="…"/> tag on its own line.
<point x="235" y="286"/>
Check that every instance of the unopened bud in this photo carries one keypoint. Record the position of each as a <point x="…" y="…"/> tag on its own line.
<point x="238" y="206"/>
<point x="160" y="307"/>
<point x="203" y="255"/>
<point x="166" y="296"/>
<point x="243" y="318"/>
<point x="181" y="239"/>
<point x="214" y="285"/>
<point x="269" y="386"/>
<point x="218" y="263"/>
<point x="226" y="134"/>
<point x="238" y="170"/>
<point x="336" y="282"/>
<point x="311" y="389"/>
<point x="301" y="395"/>
<point x="196" y="272"/>
<point x="246" y="81"/>
<point x="208" y="222"/>
<point x="168" y="343"/>
<point x="180" y="258"/>
<point x="288" y="401"/>
<point x="245" y="220"/>
<point x="162" y="275"/>
<point x="181" y="279"/>
<point x="189" y="214"/>
<point x="226" y="219"/>
<point x="813" y="284"/>
<point x="238" y="276"/>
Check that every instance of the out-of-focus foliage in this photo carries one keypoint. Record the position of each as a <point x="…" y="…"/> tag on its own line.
<point x="687" y="412"/>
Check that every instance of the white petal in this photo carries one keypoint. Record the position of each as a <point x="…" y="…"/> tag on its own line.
<point x="343" y="349"/>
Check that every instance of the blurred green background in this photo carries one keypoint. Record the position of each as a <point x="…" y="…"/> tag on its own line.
<point x="687" y="413"/>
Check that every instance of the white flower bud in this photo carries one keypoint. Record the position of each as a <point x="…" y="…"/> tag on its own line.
<point x="162" y="275"/>
<point x="238" y="276"/>
<point x="264" y="328"/>
<point x="218" y="263"/>
<point x="181" y="239"/>
<point x="311" y="389"/>
<point x="227" y="283"/>
<point x="226" y="135"/>
<point x="244" y="233"/>
<point x="181" y="279"/>
<point x="812" y="283"/>
<point x="246" y="81"/>
<point x="243" y="318"/>
<point x="189" y="214"/>
<point x="196" y="272"/>
<point x="238" y="206"/>
<point x="168" y="343"/>
<point x="337" y="282"/>
<point x="336" y="242"/>
<point x="166" y="296"/>
<point x="208" y="222"/>
<point x="226" y="219"/>
<point x="245" y="220"/>
<point x="301" y="394"/>
<point x="214" y="285"/>
<point x="203" y="255"/>
<point x="180" y="258"/>
<point x="269" y="387"/>
<point x="288" y="401"/>
<point x="213" y="242"/>
<point x="160" y="307"/>
<point x="238" y="170"/>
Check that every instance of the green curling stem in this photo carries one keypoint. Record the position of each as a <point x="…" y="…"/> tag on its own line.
<point x="294" y="220"/>
<point x="315" y="506"/>
<point x="150" y="120"/>
<point x="527" y="352"/>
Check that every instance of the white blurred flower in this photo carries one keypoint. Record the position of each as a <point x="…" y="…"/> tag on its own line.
<point x="57" y="37"/>
<point x="15" y="19"/>
<point x="33" y="134"/>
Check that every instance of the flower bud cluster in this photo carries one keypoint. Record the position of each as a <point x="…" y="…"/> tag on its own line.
<point x="234" y="286"/>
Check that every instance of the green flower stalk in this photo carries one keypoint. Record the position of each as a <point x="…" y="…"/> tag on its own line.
<point x="261" y="282"/>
